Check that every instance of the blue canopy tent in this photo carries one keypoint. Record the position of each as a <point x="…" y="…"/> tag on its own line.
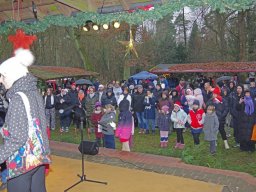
<point x="144" y="75"/>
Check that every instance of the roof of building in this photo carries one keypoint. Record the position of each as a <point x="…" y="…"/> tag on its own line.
<point x="205" y="67"/>
<point x="53" y="72"/>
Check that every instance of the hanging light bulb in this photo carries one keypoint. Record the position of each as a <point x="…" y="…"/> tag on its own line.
<point x="86" y="28"/>
<point x="116" y="24"/>
<point x="105" y="26"/>
<point x="95" y="27"/>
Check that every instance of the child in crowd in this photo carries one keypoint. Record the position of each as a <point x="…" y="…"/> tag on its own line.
<point x="179" y="117"/>
<point x="211" y="127"/>
<point x="195" y="119"/>
<point x="95" y="118"/>
<point x="107" y="126"/>
<point x="164" y="123"/>
<point x="125" y="128"/>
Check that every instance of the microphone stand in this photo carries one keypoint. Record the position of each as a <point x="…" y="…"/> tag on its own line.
<point x="83" y="176"/>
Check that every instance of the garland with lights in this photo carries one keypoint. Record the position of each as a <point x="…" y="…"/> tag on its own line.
<point x="131" y="17"/>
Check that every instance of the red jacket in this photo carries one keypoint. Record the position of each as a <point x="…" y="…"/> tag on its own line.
<point x="196" y="118"/>
<point x="95" y="118"/>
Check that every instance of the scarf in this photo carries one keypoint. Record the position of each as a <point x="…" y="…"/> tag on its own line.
<point x="249" y="105"/>
<point x="80" y="96"/>
<point x="52" y="99"/>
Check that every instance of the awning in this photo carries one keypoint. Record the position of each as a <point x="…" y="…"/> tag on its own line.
<point x="53" y="72"/>
<point x="212" y="67"/>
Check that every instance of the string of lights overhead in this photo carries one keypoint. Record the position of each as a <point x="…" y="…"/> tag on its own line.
<point x="106" y="26"/>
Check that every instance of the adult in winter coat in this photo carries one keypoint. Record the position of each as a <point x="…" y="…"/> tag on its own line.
<point x="150" y="111"/>
<point x="222" y="109"/>
<point x="90" y="101"/>
<point x="138" y="107"/>
<point x="117" y="90"/>
<point x="63" y="103"/>
<point x="207" y="92"/>
<point x="246" y="121"/>
<point x="109" y="98"/>
<point x="234" y="100"/>
<point x="26" y="170"/>
<point x="79" y="109"/>
<point x="50" y="103"/>
<point x="158" y="91"/>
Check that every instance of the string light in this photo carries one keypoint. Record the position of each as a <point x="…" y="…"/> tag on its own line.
<point x="105" y="26"/>
<point x="86" y="28"/>
<point x="116" y="24"/>
<point x="95" y="27"/>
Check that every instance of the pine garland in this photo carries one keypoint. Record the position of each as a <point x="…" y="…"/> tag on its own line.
<point x="134" y="18"/>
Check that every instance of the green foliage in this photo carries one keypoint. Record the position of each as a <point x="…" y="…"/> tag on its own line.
<point x="137" y="17"/>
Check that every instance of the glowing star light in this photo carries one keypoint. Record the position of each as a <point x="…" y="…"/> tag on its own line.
<point x="130" y="45"/>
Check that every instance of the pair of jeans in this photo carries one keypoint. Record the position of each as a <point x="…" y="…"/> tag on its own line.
<point x="180" y="138"/>
<point x="32" y="181"/>
<point x="50" y="118"/>
<point x="196" y="138"/>
<point x="141" y="120"/>
<point x="65" y="119"/>
<point x="212" y="146"/>
<point x="152" y="123"/>
<point x="109" y="141"/>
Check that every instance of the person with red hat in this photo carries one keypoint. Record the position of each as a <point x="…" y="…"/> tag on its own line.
<point x="222" y="109"/>
<point x="179" y="117"/>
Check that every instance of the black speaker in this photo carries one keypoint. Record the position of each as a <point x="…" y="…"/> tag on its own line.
<point x="89" y="147"/>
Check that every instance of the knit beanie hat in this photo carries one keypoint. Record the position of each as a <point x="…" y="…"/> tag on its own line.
<point x="177" y="103"/>
<point x="97" y="104"/>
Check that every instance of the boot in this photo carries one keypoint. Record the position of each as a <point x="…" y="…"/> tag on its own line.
<point x="226" y="144"/>
<point x="177" y="145"/>
<point x="181" y="146"/>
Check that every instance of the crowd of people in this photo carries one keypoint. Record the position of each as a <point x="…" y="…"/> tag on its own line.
<point x="200" y="106"/>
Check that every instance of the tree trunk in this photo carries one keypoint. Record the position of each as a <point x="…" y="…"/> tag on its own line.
<point x="184" y="27"/>
<point x="221" y="34"/>
<point x="242" y="35"/>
